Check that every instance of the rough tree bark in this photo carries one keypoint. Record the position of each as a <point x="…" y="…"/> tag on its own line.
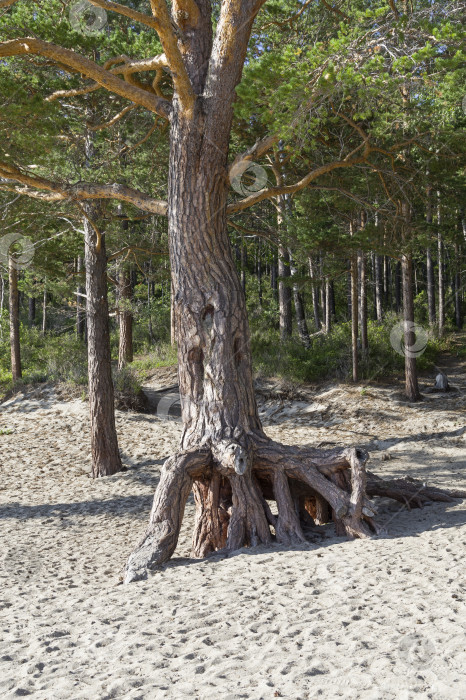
<point x="125" y="319"/>
<point x="15" y="343"/>
<point x="104" y="443"/>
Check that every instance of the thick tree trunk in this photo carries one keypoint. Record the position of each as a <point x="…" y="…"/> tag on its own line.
<point x="225" y="458"/>
<point x="15" y="343"/>
<point x="80" y="303"/>
<point x="125" y="318"/>
<point x="104" y="443"/>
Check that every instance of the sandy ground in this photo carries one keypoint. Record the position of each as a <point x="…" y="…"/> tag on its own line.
<point x="383" y="618"/>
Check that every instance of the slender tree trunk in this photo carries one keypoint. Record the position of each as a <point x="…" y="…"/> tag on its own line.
<point x="354" y="315"/>
<point x="125" y="318"/>
<point x="430" y="279"/>
<point x="303" y="330"/>
<point x="441" y="275"/>
<point x="412" y="388"/>
<point x="378" y="287"/>
<point x="430" y="287"/>
<point x="457" y="279"/>
<point x="323" y="296"/>
<point x="172" y="315"/>
<point x="104" y="443"/>
<point x="348" y="291"/>
<point x="2" y="298"/>
<point x="274" y="276"/>
<point x="80" y="303"/>
<point x="149" y="294"/>
<point x="31" y="311"/>
<point x="259" y="270"/>
<point x="362" y="301"/>
<point x="244" y="265"/>
<point x="328" y="307"/>
<point x="314" y="294"/>
<point x="44" y="308"/>
<point x="333" y="308"/>
<point x="284" y="294"/>
<point x="14" y="321"/>
<point x="398" y="287"/>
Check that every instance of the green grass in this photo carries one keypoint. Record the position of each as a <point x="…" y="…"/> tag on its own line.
<point x="329" y="356"/>
<point x="163" y="355"/>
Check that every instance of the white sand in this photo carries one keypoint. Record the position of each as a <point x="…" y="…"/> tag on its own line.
<point x="383" y="618"/>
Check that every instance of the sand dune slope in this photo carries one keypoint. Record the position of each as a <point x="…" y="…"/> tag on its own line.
<point x="374" y="619"/>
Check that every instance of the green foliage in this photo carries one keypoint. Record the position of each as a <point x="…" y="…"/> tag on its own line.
<point x="50" y="358"/>
<point x="126" y="381"/>
<point x="162" y="355"/>
<point x="329" y="356"/>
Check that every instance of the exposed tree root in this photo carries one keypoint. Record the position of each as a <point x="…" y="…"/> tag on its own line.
<point x="233" y="482"/>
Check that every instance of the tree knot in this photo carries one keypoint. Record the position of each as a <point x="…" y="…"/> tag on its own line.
<point x="231" y="456"/>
